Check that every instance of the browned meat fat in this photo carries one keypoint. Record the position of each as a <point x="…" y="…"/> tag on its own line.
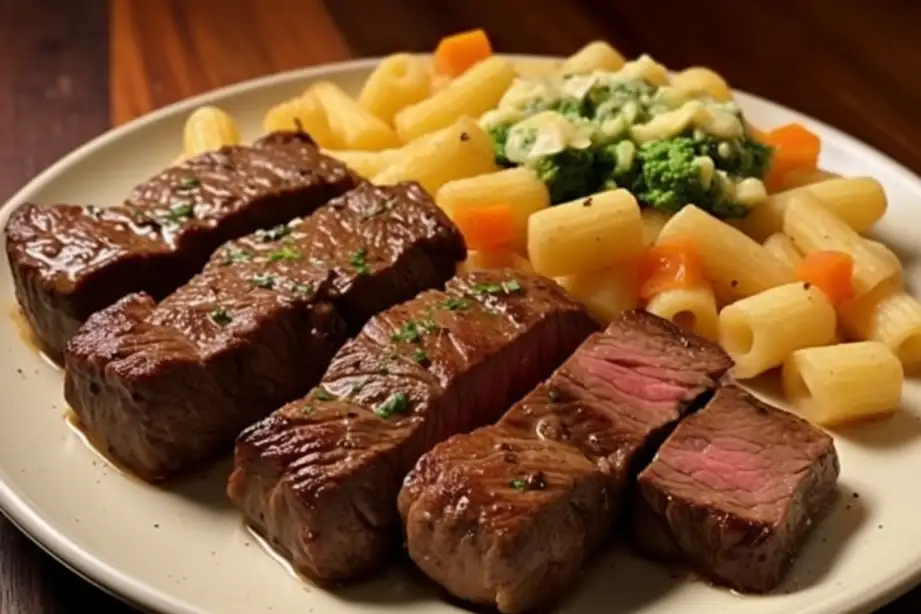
<point x="507" y="515"/>
<point x="70" y="261"/>
<point x="163" y="386"/>
<point x="320" y="477"/>
<point x="735" y="490"/>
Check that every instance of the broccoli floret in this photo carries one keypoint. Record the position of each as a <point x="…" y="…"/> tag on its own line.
<point x="568" y="174"/>
<point x="671" y="178"/>
<point x="618" y="169"/>
<point x="743" y="157"/>
<point x="499" y="136"/>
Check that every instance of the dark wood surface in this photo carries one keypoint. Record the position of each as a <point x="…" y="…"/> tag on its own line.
<point x="69" y="70"/>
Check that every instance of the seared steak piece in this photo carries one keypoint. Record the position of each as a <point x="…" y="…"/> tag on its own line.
<point x="320" y="477"/>
<point x="70" y="261"/>
<point x="735" y="490"/>
<point x="162" y="386"/>
<point x="507" y="514"/>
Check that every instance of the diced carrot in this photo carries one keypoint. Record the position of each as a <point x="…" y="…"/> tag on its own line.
<point x="831" y="272"/>
<point x="668" y="266"/>
<point x="458" y="52"/>
<point x="488" y="227"/>
<point x="795" y="148"/>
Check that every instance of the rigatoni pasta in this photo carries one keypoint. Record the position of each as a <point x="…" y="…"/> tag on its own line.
<point x="761" y="331"/>
<point x="472" y="94"/>
<point x="352" y="125"/>
<point x="693" y="309"/>
<point x="605" y="293"/>
<point x="208" y="129"/>
<point x="585" y="235"/>
<point x="461" y="150"/>
<point x="654" y="221"/>
<point x="843" y="383"/>
<point x="301" y="113"/>
<point x="597" y="55"/>
<point x="517" y="187"/>
<point x="859" y="201"/>
<point x="813" y="227"/>
<point x="366" y="163"/>
<point x="398" y="81"/>
<point x="781" y="246"/>
<point x="800" y="177"/>
<point x="887" y="315"/>
<point x="735" y="264"/>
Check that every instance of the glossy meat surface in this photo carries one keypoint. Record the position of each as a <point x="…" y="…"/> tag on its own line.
<point x="320" y="477"/>
<point x="70" y="261"/>
<point x="162" y="386"/>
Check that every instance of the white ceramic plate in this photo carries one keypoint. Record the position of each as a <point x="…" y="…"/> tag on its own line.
<point x="186" y="551"/>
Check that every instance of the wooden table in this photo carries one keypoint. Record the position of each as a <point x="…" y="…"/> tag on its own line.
<point x="70" y="70"/>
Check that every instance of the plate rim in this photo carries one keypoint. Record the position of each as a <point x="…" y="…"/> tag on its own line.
<point x="34" y="524"/>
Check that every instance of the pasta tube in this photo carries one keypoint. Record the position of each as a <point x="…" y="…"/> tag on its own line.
<point x="518" y="187"/>
<point x="858" y="201"/>
<point x="813" y="227"/>
<point x="761" y="331"/>
<point x="461" y="150"/>
<point x="209" y="129"/>
<point x="471" y="94"/>
<point x="841" y="383"/>
<point x="887" y="315"/>
<point x="781" y="246"/>
<point x="398" y="81"/>
<point x="352" y="125"/>
<point x="604" y="293"/>
<point x="736" y="265"/>
<point x="693" y="309"/>
<point x="585" y="235"/>
<point x="304" y="113"/>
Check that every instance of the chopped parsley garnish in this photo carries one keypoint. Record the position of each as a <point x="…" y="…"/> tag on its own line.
<point x="357" y="386"/>
<point x="276" y="233"/>
<point x="179" y="213"/>
<point x="535" y="481"/>
<point x="190" y="183"/>
<point x="396" y="404"/>
<point x="307" y="409"/>
<point x="519" y="484"/>
<point x="237" y="255"/>
<point x="360" y="262"/>
<point x="420" y="356"/>
<point x="285" y="253"/>
<point x="220" y="316"/>
<point x="510" y="286"/>
<point x="94" y="211"/>
<point x="455" y="304"/>
<point x="263" y="281"/>
<point x="383" y="371"/>
<point x="554" y="394"/>
<point x="487" y="288"/>
<point x="409" y="333"/>
<point x="323" y="395"/>
<point x="429" y="325"/>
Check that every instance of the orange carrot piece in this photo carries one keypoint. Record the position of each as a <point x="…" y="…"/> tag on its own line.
<point x="458" y="52"/>
<point x="486" y="228"/>
<point x="669" y="266"/>
<point x="795" y="148"/>
<point x="831" y="272"/>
